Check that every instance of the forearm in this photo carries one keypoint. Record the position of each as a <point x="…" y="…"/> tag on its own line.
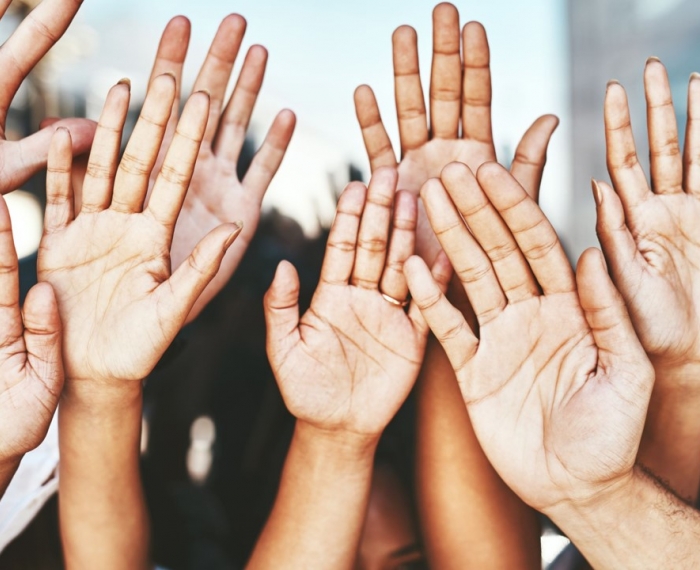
<point x="469" y="517"/>
<point x="8" y="468"/>
<point x="104" y="522"/>
<point x="319" y="512"/>
<point x="670" y="447"/>
<point x="637" y="524"/>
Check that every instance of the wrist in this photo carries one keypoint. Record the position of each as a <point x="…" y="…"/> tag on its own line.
<point x="95" y="395"/>
<point x="680" y="379"/>
<point x="340" y="444"/>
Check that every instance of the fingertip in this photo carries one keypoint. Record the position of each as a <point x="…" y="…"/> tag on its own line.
<point x="363" y="94"/>
<point x="179" y="23"/>
<point x="445" y="11"/>
<point x="287" y="119"/>
<point x="404" y="34"/>
<point x="234" y="23"/>
<point x="489" y="171"/>
<point x="413" y="266"/>
<point x="454" y="172"/>
<point x="257" y="54"/>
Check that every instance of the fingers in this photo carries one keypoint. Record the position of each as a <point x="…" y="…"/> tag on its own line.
<point x="174" y="178"/>
<point x="491" y="232"/>
<point x="268" y="159"/>
<point x="104" y="157"/>
<point x="441" y="273"/>
<point x="476" y="85"/>
<point x="471" y="265"/>
<point x="532" y="231"/>
<point x="342" y="238"/>
<point x="446" y="73"/>
<point x="665" y="153"/>
<point x="446" y="322"/>
<point x="133" y="174"/>
<point x="37" y="33"/>
<point x="281" y="305"/>
<point x="237" y="115"/>
<point x="179" y="293"/>
<point x="10" y="317"/>
<point x="377" y="142"/>
<point x="606" y="314"/>
<point x="531" y="155"/>
<point x="59" y="187"/>
<point x="410" y="103"/>
<point x="170" y="59"/>
<point x="691" y="155"/>
<point x="625" y="171"/>
<point x="373" y="236"/>
<point x="401" y="246"/>
<point x="624" y="259"/>
<point x="22" y="159"/>
<point x="42" y="336"/>
<point x="216" y="70"/>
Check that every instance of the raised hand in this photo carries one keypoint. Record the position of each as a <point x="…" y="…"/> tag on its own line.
<point x="651" y="239"/>
<point x="350" y="362"/>
<point x="460" y="95"/>
<point x="33" y="38"/>
<point x="557" y="384"/>
<point x="110" y="263"/>
<point x="31" y="371"/>
<point x="216" y="195"/>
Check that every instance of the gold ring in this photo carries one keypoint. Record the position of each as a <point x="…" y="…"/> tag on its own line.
<point x="395" y="302"/>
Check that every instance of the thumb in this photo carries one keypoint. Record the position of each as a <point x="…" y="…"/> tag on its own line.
<point x="25" y="157"/>
<point x="608" y="318"/>
<point x="531" y="154"/>
<point x="181" y="291"/>
<point x="42" y="337"/>
<point x="282" y="311"/>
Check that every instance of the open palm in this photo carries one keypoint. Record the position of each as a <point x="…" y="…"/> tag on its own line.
<point x="110" y="264"/>
<point x="652" y="238"/>
<point x="216" y="194"/>
<point x="460" y="95"/>
<point x="351" y="360"/>
<point x="557" y="384"/>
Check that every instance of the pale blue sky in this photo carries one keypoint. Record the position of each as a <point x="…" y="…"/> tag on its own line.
<point x="321" y="50"/>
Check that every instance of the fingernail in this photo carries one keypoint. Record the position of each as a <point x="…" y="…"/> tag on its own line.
<point x="125" y="81"/>
<point x="694" y="76"/>
<point x="613" y="82"/>
<point x="205" y="91"/>
<point x="652" y="58"/>
<point x="234" y="234"/>
<point x="597" y="194"/>
<point x="171" y="74"/>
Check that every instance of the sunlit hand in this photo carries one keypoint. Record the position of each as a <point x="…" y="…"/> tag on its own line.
<point x="651" y="237"/>
<point x="460" y="94"/>
<point x="31" y="372"/>
<point x="216" y="194"/>
<point x="19" y="160"/>
<point x="110" y="263"/>
<point x="350" y="362"/>
<point x="557" y="384"/>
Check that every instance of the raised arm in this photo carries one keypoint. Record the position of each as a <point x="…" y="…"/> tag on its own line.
<point x="344" y="369"/>
<point x="469" y="517"/>
<point x="34" y="37"/>
<point x="651" y="239"/>
<point x="557" y="384"/>
<point x="110" y="267"/>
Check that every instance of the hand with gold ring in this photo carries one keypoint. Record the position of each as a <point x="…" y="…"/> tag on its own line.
<point x="351" y="360"/>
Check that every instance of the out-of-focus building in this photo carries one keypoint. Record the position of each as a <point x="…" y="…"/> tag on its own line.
<point x="611" y="39"/>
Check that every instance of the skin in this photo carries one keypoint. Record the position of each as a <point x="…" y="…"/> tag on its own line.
<point x="557" y="383"/>
<point x="344" y="369"/>
<point x="458" y="490"/>
<point x="33" y="38"/>
<point x="31" y="368"/>
<point x="652" y="244"/>
<point x="389" y="538"/>
<point x="121" y="306"/>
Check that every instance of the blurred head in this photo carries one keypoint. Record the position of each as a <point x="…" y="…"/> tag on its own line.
<point x="390" y="540"/>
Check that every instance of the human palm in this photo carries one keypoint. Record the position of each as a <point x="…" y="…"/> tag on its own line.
<point x="351" y="360"/>
<point x="216" y="194"/>
<point x="556" y="384"/>
<point x="651" y="238"/>
<point x="31" y="371"/>
<point x="110" y="264"/>
<point x="460" y="96"/>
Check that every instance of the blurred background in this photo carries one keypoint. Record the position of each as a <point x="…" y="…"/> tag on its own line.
<point x="214" y="421"/>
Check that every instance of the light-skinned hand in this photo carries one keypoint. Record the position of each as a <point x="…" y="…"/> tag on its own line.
<point x="557" y="384"/>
